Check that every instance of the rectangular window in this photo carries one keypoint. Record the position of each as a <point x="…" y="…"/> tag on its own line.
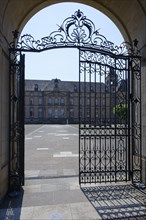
<point x="62" y="112"/>
<point x="56" y="101"/>
<point x="71" y="101"/>
<point x="49" y="112"/>
<point x="71" y="113"/>
<point x="88" y="112"/>
<point x="62" y="101"/>
<point x="88" y="101"/>
<point x="40" y="101"/>
<point x="97" y="114"/>
<point x="31" y="112"/>
<point x="31" y="101"/>
<point x="103" y="101"/>
<point x="40" y="112"/>
<point x="56" y="113"/>
<point x="49" y="101"/>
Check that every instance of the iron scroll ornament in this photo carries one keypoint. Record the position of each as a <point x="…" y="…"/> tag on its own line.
<point x="75" y="31"/>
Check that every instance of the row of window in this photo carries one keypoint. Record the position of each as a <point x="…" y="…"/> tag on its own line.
<point x="61" y="112"/>
<point x="49" y="101"/>
<point x="51" y="112"/>
<point x="55" y="101"/>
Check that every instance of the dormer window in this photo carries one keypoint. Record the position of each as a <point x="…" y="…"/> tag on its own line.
<point x="56" y="83"/>
<point x="36" y="87"/>
<point x="92" y="89"/>
<point x="75" y="88"/>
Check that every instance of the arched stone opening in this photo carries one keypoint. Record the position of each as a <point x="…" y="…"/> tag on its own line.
<point x="80" y="32"/>
<point x="132" y="27"/>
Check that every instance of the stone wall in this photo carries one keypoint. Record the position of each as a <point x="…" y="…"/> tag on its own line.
<point x="4" y="120"/>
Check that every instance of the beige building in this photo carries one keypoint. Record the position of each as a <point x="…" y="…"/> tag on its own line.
<point x="128" y="15"/>
<point x="56" y="101"/>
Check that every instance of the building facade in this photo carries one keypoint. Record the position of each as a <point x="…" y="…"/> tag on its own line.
<point x="51" y="101"/>
<point x="56" y="101"/>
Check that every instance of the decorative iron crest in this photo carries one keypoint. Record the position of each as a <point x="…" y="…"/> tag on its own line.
<point x="75" y="31"/>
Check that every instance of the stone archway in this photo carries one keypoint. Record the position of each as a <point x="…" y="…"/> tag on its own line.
<point x="130" y="17"/>
<point x="104" y="138"/>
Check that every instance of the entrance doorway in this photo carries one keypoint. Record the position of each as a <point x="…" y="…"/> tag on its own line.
<point x="109" y="92"/>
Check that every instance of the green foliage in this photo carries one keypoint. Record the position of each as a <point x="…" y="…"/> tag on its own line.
<point x="121" y="111"/>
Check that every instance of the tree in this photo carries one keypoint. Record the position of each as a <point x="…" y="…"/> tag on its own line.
<point x="121" y="111"/>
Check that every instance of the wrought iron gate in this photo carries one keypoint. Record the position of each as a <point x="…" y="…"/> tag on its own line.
<point x="109" y="102"/>
<point x="109" y="111"/>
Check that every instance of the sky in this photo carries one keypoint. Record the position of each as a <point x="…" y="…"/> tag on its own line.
<point x="62" y="63"/>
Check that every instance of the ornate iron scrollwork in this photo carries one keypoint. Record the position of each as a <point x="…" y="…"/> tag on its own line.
<point x="75" y="31"/>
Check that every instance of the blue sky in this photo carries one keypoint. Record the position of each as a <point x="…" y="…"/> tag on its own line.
<point x="62" y="63"/>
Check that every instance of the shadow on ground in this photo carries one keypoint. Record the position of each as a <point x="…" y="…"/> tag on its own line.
<point x="118" y="201"/>
<point x="10" y="209"/>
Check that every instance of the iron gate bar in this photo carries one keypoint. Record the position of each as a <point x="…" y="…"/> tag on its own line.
<point x="79" y="32"/>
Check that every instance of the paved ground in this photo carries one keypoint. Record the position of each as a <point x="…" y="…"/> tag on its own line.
<point x="51" y="188"/>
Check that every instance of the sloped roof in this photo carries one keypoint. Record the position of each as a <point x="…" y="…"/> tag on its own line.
<point x="30" y="84"/>
<point x="63" y="86"/>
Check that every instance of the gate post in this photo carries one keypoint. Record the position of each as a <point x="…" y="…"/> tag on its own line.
<point x="136" y="119"/>
<point x="16" y="117"/>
